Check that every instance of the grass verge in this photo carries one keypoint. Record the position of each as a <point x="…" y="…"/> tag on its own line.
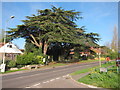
<point x="88" y="69"/>
<point x="109" y="79"/>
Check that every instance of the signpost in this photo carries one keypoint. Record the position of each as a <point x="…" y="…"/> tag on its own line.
<point x="99" y="59"/>
<point x="2" y="67"/>
<point x="99" y="53"/>
<point x="118" y="64"/>
<point x="103" y="69"/>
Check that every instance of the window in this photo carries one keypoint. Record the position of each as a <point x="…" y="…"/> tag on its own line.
<point x="10" y="46"/>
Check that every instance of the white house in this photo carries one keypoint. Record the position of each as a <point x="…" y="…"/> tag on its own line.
<point x="10" y="51"/>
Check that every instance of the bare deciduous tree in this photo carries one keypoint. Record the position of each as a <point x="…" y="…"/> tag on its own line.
<point x="114" y="43"/>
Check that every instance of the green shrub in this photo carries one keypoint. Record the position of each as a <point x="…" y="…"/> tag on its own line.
<point x="12" y="64"/>
<point x="26" y="59"/>
<point x="7" y="64"/>
<point x="90" y="57"/>
<point x="113" y="55"/>
<point x="39" y="59"/>
<point x="104" y="79"/>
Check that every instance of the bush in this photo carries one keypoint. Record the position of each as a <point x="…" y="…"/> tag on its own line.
<point x="7" y="64"/>
<point x="12" y="64"/>
<point x="90" y="57"/>
<point x="29" y="59"/>
<point x="39" y="59"/>
<point x="38" y="52"/>
<point x="112" y="55"/>
<point x="26" y="59"/>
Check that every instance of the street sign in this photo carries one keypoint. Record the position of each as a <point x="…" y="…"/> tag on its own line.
<point x="2" y="67"/>
<point x="103" y="69"/>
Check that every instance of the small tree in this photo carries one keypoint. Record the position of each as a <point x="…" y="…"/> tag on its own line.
<point x="114" y="43"/>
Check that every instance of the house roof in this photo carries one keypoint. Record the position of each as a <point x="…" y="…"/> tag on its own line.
<point x="9" y="48"/>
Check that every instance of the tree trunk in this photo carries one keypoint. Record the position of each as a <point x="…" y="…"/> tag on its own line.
<point x="45" y="46"/>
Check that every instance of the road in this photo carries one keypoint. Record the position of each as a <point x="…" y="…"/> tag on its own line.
<point x="31" y="78"/>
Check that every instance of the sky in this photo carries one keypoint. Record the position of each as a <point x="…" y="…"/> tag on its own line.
<point x="98" y="17"/>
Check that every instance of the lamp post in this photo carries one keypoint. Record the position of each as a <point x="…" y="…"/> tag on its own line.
<point x="99" y="59"/>
<point x="3" y="63"/>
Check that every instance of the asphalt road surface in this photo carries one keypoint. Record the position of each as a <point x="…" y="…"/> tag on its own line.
<point x="36" y="77"/>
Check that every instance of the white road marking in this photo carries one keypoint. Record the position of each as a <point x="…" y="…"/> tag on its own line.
<point x="47" y="81"/>
<point x="64" y="76"/>
<point x="52" y="79"/>
<point x="44" y="82"/>
<point x="27" y="87"/>
<point x="36" y="84"/>
<point x="68" y="75"/>
<point x="58" y="78"/>
<point x="89" y="85"/>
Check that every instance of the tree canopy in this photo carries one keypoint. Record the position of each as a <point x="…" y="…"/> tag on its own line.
<point x="54" y="25"/>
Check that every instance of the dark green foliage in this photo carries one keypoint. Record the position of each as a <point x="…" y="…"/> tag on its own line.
<point x="53" y="26"/>
<point x="119" y="54"/>
<point x="7" y="63"/>
<point x="107" y="52"/>
<point x="113" y="55"/>
<point x="29" y="47"/>
<point x="90" y="57"/>
<point x="12" y="64"/>
<point x="38" y="51"/>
